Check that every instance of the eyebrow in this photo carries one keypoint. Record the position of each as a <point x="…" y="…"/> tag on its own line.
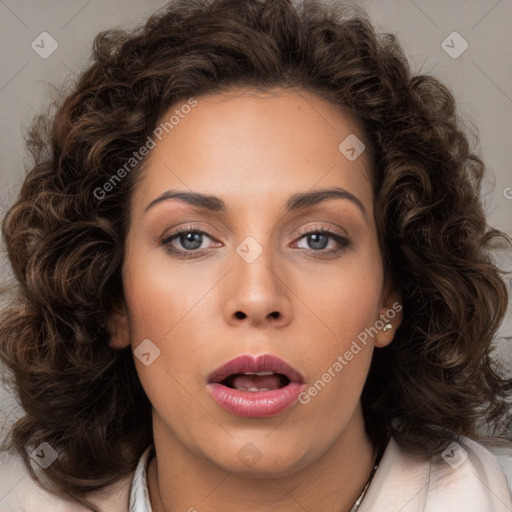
<point x="296" y="202"/>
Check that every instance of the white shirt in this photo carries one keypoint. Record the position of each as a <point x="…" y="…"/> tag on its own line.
<point x="139" y="493"/>
<point x="472" y="481"/>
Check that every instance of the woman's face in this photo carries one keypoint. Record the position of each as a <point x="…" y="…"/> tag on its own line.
<point x="245" y="278"/>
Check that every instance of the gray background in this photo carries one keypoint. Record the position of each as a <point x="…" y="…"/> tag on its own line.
<point x="481" y="79"/>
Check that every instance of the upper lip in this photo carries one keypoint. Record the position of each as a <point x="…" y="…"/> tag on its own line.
<point x="252" y="364"/>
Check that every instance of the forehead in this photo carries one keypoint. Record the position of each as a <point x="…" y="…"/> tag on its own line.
<point x="251" y="144"/>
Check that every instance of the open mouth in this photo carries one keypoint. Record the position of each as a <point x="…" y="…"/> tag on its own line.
<point x="256" y="381"/>
<point x="255" y="386"/>
<point x="255" y="373"/>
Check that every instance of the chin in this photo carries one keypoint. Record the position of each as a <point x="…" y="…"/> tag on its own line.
<point x="263" y="459"/>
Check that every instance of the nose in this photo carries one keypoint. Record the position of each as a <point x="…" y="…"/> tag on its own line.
<point x="257" y="294"/>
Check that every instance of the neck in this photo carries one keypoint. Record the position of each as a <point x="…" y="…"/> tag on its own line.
<point x="181" y="480"/>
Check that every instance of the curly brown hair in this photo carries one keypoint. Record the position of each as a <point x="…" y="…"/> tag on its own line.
<point x="66" y="244"/>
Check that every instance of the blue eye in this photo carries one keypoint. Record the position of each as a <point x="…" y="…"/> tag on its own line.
<point x="189" y="239"/>
<point x="318" y="241"/>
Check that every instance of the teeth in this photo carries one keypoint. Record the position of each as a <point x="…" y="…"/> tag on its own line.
<point x="253" y="390"/>
<point x="259" y="373"/>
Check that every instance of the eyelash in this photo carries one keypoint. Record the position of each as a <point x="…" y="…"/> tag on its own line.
<point x="343" y="242"/>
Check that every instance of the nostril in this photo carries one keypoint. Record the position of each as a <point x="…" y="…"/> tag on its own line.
<point x="241" y="315"/>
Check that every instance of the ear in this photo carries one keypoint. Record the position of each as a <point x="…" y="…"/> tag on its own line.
<point x="119" y="329"/>
<point x="390" y="315"/>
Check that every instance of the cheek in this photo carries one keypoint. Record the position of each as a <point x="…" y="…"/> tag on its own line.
<point x="158" y="313"/>
<point x="159" y="299"/>
<point x="338" y="354"/>
<point x="341" y="310"/>
<point x="344" y="302"/>
<point x="337" y="325"/>
<point x="165" y="307"/>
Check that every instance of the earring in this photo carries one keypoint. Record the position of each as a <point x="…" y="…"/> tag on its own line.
<point x="387" y="327"/>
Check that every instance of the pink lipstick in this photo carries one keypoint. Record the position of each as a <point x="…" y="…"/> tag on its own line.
<point x="255" y="386"/>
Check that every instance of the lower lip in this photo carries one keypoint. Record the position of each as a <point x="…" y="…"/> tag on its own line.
<point x="257" y="404"/>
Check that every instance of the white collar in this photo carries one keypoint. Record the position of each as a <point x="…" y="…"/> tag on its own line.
<point x="139" y="494"/>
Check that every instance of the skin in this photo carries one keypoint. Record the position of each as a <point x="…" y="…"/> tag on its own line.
<point x="254" y="150"/>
